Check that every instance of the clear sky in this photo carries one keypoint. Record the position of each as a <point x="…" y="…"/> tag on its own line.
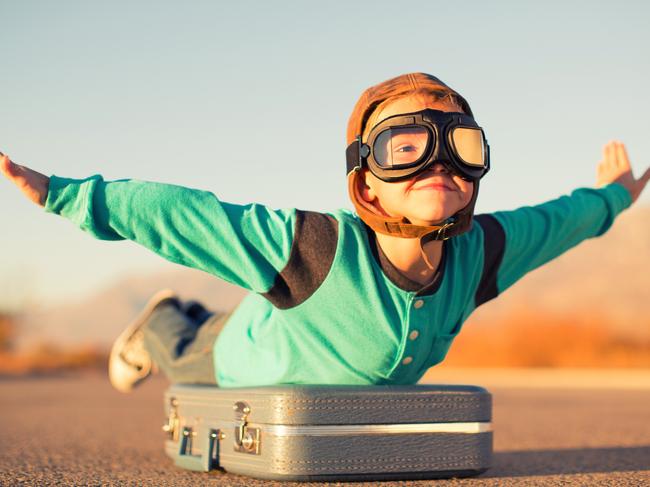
<point x="251" y="99"/>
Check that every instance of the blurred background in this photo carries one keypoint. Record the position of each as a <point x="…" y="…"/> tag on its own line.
<point x="250" y="100"/>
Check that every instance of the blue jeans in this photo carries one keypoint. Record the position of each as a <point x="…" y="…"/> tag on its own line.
<point x="181" y="346"/>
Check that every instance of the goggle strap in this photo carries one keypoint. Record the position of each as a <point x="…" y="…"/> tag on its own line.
<point x="352" y="157"/>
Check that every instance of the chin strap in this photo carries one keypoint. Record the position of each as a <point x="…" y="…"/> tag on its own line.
<point x="400" y="226"/>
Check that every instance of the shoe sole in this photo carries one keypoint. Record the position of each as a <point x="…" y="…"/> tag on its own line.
<point x="122" y="375"/>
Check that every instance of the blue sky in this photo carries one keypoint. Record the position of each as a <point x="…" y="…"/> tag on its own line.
<point x="251" y="99"/>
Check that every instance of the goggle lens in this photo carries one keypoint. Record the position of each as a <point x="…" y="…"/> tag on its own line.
<point x="399" y="146"/>
<point x="469" y="145"/>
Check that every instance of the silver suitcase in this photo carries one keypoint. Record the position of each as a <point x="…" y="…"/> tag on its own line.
<point x="331" y="432"/>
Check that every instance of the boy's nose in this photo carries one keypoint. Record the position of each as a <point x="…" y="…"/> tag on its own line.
<point x="438" y="167"/>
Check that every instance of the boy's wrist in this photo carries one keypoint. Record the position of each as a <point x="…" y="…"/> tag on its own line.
<point x="619" y="194"/>
<point x="66" y="194"/>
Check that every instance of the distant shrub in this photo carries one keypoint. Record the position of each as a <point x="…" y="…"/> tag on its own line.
<point x="534" y="339"/>
<point x="45" y="359"/>
<point x="7" y="332"/>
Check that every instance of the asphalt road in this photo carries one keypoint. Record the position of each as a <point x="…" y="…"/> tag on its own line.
<point x="75" y="430"/>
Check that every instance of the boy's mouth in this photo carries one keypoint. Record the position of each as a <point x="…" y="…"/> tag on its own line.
<point x="432" y="182"/>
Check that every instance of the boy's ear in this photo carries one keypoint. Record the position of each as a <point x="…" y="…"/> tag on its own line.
<point x="366" y="184"/>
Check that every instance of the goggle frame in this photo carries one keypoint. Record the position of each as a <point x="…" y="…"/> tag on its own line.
<point x="440" y="146"/>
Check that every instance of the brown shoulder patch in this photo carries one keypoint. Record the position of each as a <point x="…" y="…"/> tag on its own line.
<point x="494" y="242"/>
<point x="312" y="254"/>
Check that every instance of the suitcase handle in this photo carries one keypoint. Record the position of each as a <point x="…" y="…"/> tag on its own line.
<point x="210" y="449"/>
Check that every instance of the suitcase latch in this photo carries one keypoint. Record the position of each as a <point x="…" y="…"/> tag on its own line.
<point x="207" y="459"/>
<point x="173" y="421"/>
<point x="247" y="439"/>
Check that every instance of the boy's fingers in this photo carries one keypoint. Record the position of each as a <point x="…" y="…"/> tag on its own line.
<point x="621" y="154"/>
<point x="607" y="152"/>
<point x="7" y="166"/>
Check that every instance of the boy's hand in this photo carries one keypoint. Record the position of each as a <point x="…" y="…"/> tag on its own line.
<point x="615" y="168"/>
<point x="33" y="184"/>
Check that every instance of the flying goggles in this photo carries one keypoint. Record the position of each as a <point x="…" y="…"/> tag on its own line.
<point x="402" y="146"/>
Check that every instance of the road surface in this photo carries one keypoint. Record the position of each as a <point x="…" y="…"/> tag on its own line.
<point x="76" y="430"/>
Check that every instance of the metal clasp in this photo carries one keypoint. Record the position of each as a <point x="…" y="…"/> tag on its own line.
<point x="364" y="152"/>
<point x="247" y="439"/>
<point x="442" y="231"/>
<point x="173" y="420"/>
<point x="207" y="459"/>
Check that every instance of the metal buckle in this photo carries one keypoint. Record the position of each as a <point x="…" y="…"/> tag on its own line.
<point x="363" y="151"/>
<point x="247" y="439"/>
<point x="173" y="420"/>
<point x="207" y="459"/>
<point x="441" y="233"/>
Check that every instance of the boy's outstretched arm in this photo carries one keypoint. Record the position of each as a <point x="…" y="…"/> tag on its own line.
<point x="246" y="245"/>
<point x="615" y="168"/>
<point x="33" y="184"/>
<point x="523" y="239"/>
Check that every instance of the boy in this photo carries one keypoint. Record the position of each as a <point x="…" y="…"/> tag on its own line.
<point x="374" y="297"/>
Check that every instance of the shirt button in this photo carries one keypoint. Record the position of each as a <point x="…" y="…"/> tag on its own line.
<point x="407" y="360"/>
<point x="418" y="304"/>
<point x="414" y="334"/>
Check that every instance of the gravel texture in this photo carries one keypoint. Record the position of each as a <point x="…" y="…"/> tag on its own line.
<point x="76" y="430"/>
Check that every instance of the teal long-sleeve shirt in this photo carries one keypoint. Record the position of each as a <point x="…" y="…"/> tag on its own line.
<point x="326" y="305"/>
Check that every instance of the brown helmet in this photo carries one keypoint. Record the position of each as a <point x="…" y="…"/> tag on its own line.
<point x="371" y="102"/>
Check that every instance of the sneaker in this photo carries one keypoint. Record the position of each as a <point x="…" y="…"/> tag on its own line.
<point x="129" y="363"/>
<point x="196" y="312"/>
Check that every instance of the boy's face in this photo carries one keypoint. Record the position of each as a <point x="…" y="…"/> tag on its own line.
<point x="427" y="198"/>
